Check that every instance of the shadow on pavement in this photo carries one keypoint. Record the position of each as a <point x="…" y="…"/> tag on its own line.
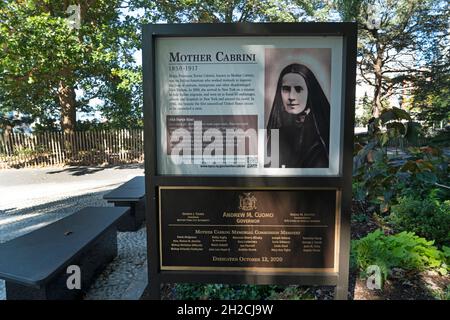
<point x="84" y="170"/>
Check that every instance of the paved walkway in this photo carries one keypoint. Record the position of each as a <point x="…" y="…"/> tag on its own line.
<point x="32" y="198"/>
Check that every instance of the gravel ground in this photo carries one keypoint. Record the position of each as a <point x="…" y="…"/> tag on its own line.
<point x="119" y="274"/>
<point x="33" y="198"/>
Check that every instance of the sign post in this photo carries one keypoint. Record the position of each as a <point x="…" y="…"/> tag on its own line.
<point x="248" y="148"/>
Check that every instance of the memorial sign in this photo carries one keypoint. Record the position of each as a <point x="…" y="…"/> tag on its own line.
<point x="238" y="229"/>
<point x="248" y="144"/>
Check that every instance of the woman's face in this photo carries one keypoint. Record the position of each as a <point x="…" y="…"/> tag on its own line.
<point x="294" y="93"/>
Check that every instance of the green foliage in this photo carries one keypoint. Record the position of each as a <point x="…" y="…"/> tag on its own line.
<point x="242" y="292"/>
<point x="41" y="54"/>
<point x="431" y="87"/>
<point x="446" y="293"/>
<point x="431" y="102"/>
<point x="366" y="106"/>
<point x="411" y="187"/>
<point x="381" y="178"/>
<point x="223" y="292"/>
<point x="385" y="180"/>
<point x="428" y="218"/>
<point x="441" y="294"/>
<point x="95" y="124"/>
<point x="358" y="191"/>
<point x="446" y="251"/>
<point x="292" y="293"/>
<point x="403" y="250"/>
<point x="441" y="138"/>
<point x="359" y="218"/>
<point x="25" y="152"/>
<point x="209" y="11"/>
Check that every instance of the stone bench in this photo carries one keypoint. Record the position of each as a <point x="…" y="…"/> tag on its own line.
<point x="130" y="194"/>
<point x="34" y="265"/>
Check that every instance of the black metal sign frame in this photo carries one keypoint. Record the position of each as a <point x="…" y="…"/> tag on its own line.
<point x="341" y="183"/>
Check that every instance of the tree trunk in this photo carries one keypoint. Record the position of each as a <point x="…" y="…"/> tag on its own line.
<point x="7" y="132"/>
<point x="376" y="104"/>
<point x="67" y="102"/>
<point x="378" y="68"/>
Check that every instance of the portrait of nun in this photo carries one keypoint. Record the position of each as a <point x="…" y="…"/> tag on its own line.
<point x="301" y="112"/>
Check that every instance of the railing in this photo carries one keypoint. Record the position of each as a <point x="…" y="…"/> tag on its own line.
<point x="18" y="150"/>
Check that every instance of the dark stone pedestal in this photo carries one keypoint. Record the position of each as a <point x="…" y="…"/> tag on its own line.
<point x="134" y="219"/>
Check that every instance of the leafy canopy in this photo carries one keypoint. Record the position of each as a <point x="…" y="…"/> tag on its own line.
<point x="39" y="52"/>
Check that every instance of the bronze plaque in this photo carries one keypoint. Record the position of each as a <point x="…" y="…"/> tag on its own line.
<point x="239" y="229"/>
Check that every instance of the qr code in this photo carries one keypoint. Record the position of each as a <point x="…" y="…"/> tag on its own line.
<point x="252" y="162"/>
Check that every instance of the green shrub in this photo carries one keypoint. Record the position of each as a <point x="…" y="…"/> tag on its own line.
<point x="293" y="292"/>
<point x="381" y="177"/>
<point x="242" y="292"/>
<point x="428" y="218"/>
<point x="224" y="292"/>
<point x="404" y="250"/>
<point x="446" y="251"/>
<point x="446" y="294"/>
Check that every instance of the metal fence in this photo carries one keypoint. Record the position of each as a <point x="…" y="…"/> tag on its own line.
<point x="18" y="150"/>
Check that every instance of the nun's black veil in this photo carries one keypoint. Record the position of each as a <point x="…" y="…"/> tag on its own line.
<point x="316" y="102"/>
